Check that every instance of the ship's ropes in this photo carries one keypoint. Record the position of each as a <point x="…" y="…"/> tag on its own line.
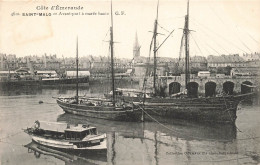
<point x="218" y="35"/>
<point x="249" y="136"/>
<point x="210" y="39"/>
<point x="228" y="27"/>
<point x="163" y="28"/>
<point x="181" y="46"/>
<point x="250" y="36"/>
<point x="196" y="44"/>
<point x="11" y="135"/>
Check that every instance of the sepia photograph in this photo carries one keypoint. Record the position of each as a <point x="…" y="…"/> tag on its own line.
<point x="138" y="82"/>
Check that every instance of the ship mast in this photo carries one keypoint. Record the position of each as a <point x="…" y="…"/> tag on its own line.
<point x="155" y="50"/>
<point x="112" y="56"/>
<point x="77" y="74"/>
<point x="186" y="33"/>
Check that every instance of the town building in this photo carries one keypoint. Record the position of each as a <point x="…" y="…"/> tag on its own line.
<point x="225" y="60"/>
<point x="8" y="62"/>
<point x="140" y="69"/>
<point x="177" y="66"/>
<point x="2" y="61"/>
<point x="247" y="64"/>
<point x="251" y="57"/>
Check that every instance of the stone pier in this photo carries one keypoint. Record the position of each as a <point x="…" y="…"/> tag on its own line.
<point x="206" y="85"/>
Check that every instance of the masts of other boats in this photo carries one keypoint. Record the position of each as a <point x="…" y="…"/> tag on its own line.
<point x="112" y="55"/>
<point x="77" y="74"/>
<point x="186" y="32"/>
<point x="155" y="50"/>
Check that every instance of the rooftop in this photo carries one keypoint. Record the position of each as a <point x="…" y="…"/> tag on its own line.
<point x="225" y="58"/>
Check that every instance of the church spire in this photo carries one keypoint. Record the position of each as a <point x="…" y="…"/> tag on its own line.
<point x="136" y="48"/>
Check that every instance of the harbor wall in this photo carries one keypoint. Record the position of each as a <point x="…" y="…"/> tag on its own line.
<point x="165" y="82"/>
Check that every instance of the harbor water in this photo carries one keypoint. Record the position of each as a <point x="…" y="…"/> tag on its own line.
<point x="159" y="143"/>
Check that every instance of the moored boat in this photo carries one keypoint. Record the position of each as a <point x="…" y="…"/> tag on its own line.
<point x="67" y="137"/>
<point x="213" y="109"/>
<point x="84" y="81"/>
<point x="100" y="108"/>
<point x="111" y="109"/>
<point x="219" y="109"/>
<point x="24" y="78"/>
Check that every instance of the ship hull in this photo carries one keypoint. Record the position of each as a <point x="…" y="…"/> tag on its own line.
<point x="214" y="109"/>
<point x="202" y="113"/>
<point x="101" y="112"/>
<point x="67" y="145"/>
<point x="45" y="83"/>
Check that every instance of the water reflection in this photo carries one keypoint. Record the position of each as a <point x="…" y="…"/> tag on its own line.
<point x="169" y="127"/>
<point x="15" y="91"/>
<point x="67" y="157"/>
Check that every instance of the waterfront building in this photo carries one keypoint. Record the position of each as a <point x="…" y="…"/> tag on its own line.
<point x="225" y="60"/>
<point x="8" y="62"/>
<point x="251" y="57"/>
<point x="2" y="61"/>
<point x="11" y="59"/>
<point x="199" y="62"/>
<point x="51" y="62"/>
<point x="177" y="66"/>
<point x="247" y="63"/>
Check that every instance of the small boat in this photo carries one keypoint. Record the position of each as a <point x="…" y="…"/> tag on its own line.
<point x="67" y="137"/>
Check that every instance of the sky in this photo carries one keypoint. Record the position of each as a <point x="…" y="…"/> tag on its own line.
<point x="219" y="27"/>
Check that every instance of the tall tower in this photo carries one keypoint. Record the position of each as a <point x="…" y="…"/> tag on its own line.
<point x="136" y="48"/>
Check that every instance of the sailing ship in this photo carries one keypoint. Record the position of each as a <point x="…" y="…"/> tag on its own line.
<point x="183" y="105"/>
<point x="110" y="109"/>
<point x="78" y="137"/>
